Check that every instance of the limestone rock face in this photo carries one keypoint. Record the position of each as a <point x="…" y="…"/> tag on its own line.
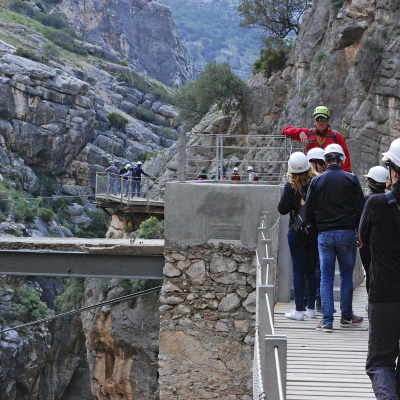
<point x="142" y="31"/>
<point x="122" y="344"/>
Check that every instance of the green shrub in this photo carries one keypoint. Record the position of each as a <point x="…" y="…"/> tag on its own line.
<point x="50" y="50"/>
<point x="98" y="224"/>
<point x="148" y="116"/>
<point x="5" y="203"/>
<point x="86" y="235"/>
<point x="132" y="286"/>
<point x="28" y="301"/>
<point x="60" y="204"/>
<point x="320" y="56"/>
<point x="104" y="286"/>
<point x="217" y="85"/>
<point x="64" y="38"/>
<point x="28" y="54"/>
<point x="40" y="7"/>
<point x="24" y="211"/>
<point x="168" y="133"/>
<point x="22" y="7"/>
<point x="47" y="184"/>
<point x="271" y="60"/>
<point x="123" y="63"/>
<point x="46" y="215"/>
<point x="72" y="296"/>
<point x="118" y="121"/>
<point x="6" y="115"/>
<point x="337" y="4"/>
<point x="156" y="89"/>
<point x="53" y="20"/>
<point x="152" y="228"/>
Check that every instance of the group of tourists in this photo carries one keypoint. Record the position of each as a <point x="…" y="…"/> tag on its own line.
<point x="235" y="176"/>
<point x="127" y="176"/>
<point x="327" y="208"/>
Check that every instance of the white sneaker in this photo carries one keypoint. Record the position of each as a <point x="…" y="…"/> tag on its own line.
<point x="297" y="315"/>
<point x="310" y="314"/>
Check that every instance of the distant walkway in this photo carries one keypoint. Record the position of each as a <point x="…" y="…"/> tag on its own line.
<point x="326" y="365"/>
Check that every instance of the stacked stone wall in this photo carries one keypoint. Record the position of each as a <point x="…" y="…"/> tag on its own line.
<point x="207" y="319"/>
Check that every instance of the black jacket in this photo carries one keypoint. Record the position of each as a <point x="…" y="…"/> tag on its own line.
<point x="334" y="200"/>
<point x="138" y="171"/>
<point x="378" y="230"/>
<point x="290" y="202"/>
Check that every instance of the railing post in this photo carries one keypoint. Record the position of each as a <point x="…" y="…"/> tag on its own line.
<point x="148" y="191"/>
<point x="122" y="188"/>
<point x="275" y="368"/>
<point x="129" y="189"/>
<point x="219" y="170"/>
<point x="182" y="156"/>
<point x="108" y="185"/>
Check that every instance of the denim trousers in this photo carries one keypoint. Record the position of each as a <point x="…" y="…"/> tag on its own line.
<point x="343" y="245"/>
<point x="304" y="253"/>
<point x="113" y="183"/>
<point x="136" y="187"/>
<point x="383" y="350"/>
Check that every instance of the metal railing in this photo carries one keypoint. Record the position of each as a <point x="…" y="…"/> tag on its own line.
<point x="220" y="153"/>
<point x="270" y="350"/>
<point x="124" y="189"/>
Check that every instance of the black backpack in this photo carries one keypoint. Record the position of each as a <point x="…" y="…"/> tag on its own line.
<point x="334" y="133"/>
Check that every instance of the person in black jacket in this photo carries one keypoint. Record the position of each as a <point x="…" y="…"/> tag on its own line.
<point x="335" y="202"/>
<point x="137" y="180"/>
<point x="122" y="171"/>
<point x="377" y="178"/>
<point x="380" y="231"/>
<point x="302" y="244"/>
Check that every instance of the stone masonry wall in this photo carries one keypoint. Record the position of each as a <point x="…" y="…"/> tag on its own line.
<point x="207" y="319"/>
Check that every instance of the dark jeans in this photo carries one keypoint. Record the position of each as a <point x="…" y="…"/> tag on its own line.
<point x="383" y="350"/>
<point x="304" y="253"/>
<point x="343" y="245"/>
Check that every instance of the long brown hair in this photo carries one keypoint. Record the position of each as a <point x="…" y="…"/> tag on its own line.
<point x="301" y="181"/>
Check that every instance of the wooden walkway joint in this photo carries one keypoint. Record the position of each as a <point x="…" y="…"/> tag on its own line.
<point x="329" y="366"/>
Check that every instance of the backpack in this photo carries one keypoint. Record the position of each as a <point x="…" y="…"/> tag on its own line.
<point x="334" y="133"/>
<point x="300" y="224"/>
<point x="395" y="208"/>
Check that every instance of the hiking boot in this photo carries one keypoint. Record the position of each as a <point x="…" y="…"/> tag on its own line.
<point x="297" y="315"/>
<point x="346" y="322"/>
<point x="310" y="313"/>
<point x="324" y="327"/>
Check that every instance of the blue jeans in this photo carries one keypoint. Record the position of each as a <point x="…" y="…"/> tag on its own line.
<point x="136" y="187"/>
<point x="113" y="182"/>
<point x="304" y="253"/>
<point x="343" y="245"/>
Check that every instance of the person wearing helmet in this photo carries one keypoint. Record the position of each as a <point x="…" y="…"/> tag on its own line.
<point x="122" y="171"/>
<point x="380" y="230"/>
<point x="320" y="136"/>
<point x="252" y="174"/>
<point x="128" y="177"/>
<point x="137" y="178"/>
<point x="221" y="172"/>
<point x="302" y="243"/>
<point x="335" y="202"/>
<point x="203" y="175"/>
<point x="235" y="174"/>
<point x="113" y="176"/>
<point x="377" y="180"/>
<point x="316" y="158"/>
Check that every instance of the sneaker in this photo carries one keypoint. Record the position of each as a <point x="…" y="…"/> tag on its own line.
<point x="297" y="315"/>
<point x="346" y="322"/>
<point x="310" y="313"/>
<point x="366" y="308"/>
<point x="324" y="327"/>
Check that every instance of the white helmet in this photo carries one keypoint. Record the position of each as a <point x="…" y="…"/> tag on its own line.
<point x="394" y="153"/>
<point x="249" y="168"/>
<point x="379" y="174"/>
<point x="334" y="151"/>
<point x="139" y="163"/>
<point x="128" y="166"/>
<point x="236" y="169"/>
<point x="316" y="154"/>
<point x="298" y="163"/>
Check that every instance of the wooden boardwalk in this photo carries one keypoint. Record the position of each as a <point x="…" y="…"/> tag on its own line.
<point x="326" y="365"/>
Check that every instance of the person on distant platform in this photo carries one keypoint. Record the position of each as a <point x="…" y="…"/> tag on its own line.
<point x="252" y="174"/>
<point x="114" y="174"/>
<point x="235" y="174"/>
<point x="203" y="175"/>
<point x="320" y="136"/>
<point x="137" y="180"/>
<point x="122" y="171"/>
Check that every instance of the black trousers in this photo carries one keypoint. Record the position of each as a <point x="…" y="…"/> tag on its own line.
<point x="365" y="254"/>
<point x="383" y="350"/>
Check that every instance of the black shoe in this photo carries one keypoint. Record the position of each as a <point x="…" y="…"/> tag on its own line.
<point x="322" y="326"/>
<point x="346" y="322"/>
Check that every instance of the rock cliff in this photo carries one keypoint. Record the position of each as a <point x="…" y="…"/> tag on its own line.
<point x="142" y="31"/>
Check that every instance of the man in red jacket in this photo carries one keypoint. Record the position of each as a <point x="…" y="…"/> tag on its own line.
<point x="321" y="136"/>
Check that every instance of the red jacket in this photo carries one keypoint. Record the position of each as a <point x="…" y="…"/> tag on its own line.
<point x="294" y="133"/>
<point x="235" y="176"/>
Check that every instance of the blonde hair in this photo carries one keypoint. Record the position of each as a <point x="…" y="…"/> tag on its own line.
<point x="300" y="181"/>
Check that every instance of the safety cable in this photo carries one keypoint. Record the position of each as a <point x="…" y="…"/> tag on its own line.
<point x="79" y="310"/>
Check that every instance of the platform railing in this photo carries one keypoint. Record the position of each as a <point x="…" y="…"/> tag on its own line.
<point x="220" y="153"/>
<point x="270" y="350"/>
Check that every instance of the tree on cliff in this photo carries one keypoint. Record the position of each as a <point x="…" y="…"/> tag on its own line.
<point x="276" y="17"/>
<point x="217" y="85"/>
